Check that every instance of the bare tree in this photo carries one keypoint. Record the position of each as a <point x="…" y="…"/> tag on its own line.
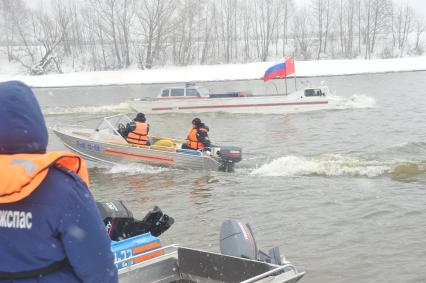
<point x="265" y="17"/>
<point x="359" y="19"/>
<point x="6" y="7"/>
<point x="49" y="35"/>
<point x="63" y="18"/>
<point x="246" y="30"/>
<point x="380" y="11"/>
<point x="106" y="11"/>
<point x="127" y="11"/>
<point x="207" y="24"/>
<point x="401" y="25"/>
<point x="376" y="21"/>
<point x="346" y="16"/>
<point x="155" y="17"/>
<point x="183" y="37"/>
<point x="38" y="37"/>
<point x="111" y="34"/>
<point x="287" y="6"/>
<point x="322" y="12"/>
<point x="227" y="10"/>
<point x="420" y="27"/>
<point x="302" y="34"/>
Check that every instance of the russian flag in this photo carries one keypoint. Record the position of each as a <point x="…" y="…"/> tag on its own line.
<point x="280" y="70"/>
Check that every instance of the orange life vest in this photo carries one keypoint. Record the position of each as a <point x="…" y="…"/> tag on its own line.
<point x="21" y="174"/>
<point x="193" y="141"/>
<point x="139" y="135"/>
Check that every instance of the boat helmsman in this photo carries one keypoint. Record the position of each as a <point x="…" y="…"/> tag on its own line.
<point x="138" y="130"/>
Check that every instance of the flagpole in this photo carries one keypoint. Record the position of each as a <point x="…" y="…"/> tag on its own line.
<point x="285" y="79"/>
<point x="295" y="83"/>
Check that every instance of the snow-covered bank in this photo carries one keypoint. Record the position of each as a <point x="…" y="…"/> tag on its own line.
<point x="221" y="72"/>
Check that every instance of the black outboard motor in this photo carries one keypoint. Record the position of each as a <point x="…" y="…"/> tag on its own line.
<point x="120" y="224"/>
<point x="229" y="155"/>
<point x="237" y="239"/>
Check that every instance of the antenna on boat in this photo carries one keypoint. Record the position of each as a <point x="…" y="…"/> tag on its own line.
<point x="189" y="84"/>
<point x="276" y="88"/>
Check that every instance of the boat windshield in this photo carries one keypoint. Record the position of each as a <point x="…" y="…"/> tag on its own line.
<point x="313" y="92"/>
<point x="192" y="92"/>
<point x="203" y="91"/>
<point x="112" y="124"/>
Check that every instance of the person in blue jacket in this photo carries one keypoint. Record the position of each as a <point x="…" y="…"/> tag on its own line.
<point x="50" y="228"/>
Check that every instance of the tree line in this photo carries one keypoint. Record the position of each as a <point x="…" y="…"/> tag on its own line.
<point x="114" y="34"/>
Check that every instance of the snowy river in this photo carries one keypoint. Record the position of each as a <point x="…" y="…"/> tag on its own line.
<point x="341" y="192"/>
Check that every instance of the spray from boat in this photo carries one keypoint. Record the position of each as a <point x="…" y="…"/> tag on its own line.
<point x="116" y="108"/>
<point x="343" y="165"/>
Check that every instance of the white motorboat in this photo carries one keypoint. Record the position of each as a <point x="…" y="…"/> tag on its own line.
<point x="194" y="99"/>
<point x="105" y="143"/>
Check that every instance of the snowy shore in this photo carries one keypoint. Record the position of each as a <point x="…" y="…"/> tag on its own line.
<point x="220" y="72"/>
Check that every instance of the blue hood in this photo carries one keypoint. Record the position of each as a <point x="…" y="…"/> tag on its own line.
<point x="22" y="126"/>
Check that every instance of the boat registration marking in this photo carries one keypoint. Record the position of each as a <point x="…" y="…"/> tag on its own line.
<point x="89" y="146"/>
<point x="121" y="255"/>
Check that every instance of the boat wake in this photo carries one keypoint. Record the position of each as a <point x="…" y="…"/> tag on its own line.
<point x="340" y="165"/>
<point x="117" y="108"/>
<point x="356" y="101"/>
<point x="134" y="169"/>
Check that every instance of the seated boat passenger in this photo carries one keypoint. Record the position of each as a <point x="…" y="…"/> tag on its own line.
<point x="198" y="137"/>
<point x="137" y="130"/>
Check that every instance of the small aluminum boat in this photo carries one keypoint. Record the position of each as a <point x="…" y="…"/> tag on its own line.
<point x="185" y="265"/>
<point x="106" y="144"/>
<point x="139" y="256"/>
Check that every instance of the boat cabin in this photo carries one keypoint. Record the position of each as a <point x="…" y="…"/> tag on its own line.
<point x="187" y="91"/>
<point x="192" y="91"/>
<point x="322" y="91"/>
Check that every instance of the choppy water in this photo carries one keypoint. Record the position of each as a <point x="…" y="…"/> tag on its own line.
<point x="341" y="192"/>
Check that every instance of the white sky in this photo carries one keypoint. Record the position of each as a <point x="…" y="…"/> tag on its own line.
<point x="418" y="5"/>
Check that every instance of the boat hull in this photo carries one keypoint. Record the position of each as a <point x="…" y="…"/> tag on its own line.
<point x="254" y="104"/>
<point x="82" y="142"/>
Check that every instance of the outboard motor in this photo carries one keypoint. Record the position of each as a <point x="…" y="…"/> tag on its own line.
<point x="120" y="223"/>
<point x="237" y="239"/>
<point x="229" y="155"/>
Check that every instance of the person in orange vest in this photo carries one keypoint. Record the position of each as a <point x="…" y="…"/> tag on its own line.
<point x="50" y="227"/>
<point x="198" y="137"/>
<point x="138" y="130"/>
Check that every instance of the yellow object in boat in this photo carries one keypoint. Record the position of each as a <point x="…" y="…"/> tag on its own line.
<point x="164" y="142"/>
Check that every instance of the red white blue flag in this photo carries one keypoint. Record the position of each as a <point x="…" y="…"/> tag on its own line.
<point x="280" y="70"/>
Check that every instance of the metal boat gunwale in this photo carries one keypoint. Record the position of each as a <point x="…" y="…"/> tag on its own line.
<point x="279" y="273"/>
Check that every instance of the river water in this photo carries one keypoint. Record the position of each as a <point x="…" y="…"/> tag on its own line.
<point x="341" y="192"/>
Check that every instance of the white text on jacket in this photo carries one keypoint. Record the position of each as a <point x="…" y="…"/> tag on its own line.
<point x="15" y="219"/>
